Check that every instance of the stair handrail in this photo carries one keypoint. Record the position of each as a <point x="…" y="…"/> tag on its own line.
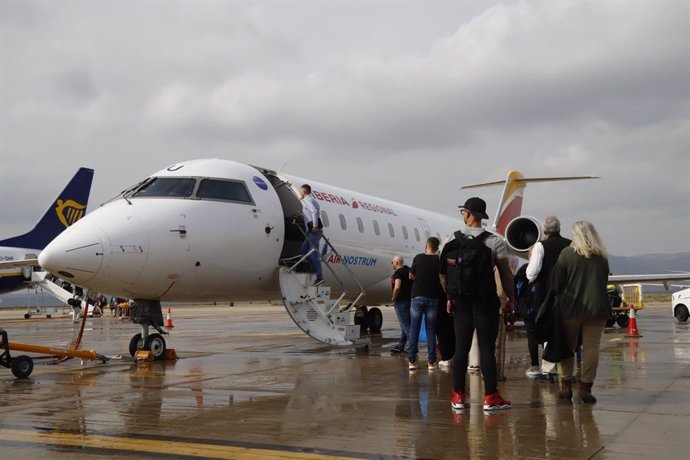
<point x="323" y="259"/>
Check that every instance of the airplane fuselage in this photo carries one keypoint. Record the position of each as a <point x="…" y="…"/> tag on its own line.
<point x="216" y="229"/>
<point x="14" y="279"/>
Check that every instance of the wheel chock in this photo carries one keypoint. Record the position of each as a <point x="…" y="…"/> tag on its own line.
<point x="170" y="354"/>
<point x="144" y="355"/>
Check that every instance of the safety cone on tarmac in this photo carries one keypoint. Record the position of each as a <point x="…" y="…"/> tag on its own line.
<point x="632" y="324"/>
<point x="168" y="320"/>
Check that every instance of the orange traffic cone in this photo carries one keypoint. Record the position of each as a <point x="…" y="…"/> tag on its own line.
<point x="168" y="320"/>
<point x="632" y="324"/>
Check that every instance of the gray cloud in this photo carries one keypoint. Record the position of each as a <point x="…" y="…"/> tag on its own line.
<point x="407" y="100"/>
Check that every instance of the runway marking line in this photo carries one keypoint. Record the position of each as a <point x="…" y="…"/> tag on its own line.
<point x="156" y="446"/>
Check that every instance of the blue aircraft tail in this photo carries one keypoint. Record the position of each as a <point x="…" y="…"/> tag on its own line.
<point x="69" y="207"/>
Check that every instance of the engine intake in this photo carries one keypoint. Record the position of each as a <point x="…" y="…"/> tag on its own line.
<point x="522" y="233"/>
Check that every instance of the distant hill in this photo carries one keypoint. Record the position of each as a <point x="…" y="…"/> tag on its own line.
<point x="650" y="263"/>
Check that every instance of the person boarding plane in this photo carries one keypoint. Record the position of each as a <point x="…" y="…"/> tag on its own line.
<point x="214" y="230"/>
<point x="18" y="254"/>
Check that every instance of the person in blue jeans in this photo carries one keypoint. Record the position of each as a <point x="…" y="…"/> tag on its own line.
<point x="402" y="290"/>
<point x="426" y="293"/>
<point x="311" y="212"/>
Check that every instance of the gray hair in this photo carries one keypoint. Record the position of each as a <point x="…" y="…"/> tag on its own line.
<point x="586" y="241"/>
<point x="552" y="225"/>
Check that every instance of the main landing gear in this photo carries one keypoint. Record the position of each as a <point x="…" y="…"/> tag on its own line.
<point x="369" y="319"/>
<point x="148" y="313"/>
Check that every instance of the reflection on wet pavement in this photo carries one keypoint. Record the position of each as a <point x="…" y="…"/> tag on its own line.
<point x="250" y="384"/>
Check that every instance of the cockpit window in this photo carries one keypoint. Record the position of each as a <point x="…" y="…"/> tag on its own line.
<point x="225" y="190"/>
<point x="174" y="187"/>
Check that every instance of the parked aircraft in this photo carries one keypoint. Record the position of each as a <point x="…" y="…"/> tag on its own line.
<point x="18" y="254"/>
<point x="213" y="230"/>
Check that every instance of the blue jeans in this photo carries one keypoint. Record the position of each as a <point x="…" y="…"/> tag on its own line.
<point x="402" y="311"/>
<point x="313" y="258"/>
<point x="427" y="307"/>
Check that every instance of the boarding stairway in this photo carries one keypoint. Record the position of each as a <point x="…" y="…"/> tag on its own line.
<point x="41" y="280"/>
<point x="326" y="319"/>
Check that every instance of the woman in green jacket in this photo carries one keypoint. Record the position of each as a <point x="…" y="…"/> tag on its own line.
<point x="579" y="278"/>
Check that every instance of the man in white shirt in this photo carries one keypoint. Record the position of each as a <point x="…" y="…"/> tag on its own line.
<point x="543" y="257"/>
<point x="311" y="212"/>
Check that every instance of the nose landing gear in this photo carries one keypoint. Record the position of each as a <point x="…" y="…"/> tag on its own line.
<point x="148" y="313"/>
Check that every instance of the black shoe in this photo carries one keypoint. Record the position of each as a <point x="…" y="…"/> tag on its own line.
<point x="318" y="282"/>
<point x="396" y="350"/>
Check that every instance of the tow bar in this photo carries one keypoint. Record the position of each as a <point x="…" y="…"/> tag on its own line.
<point x="23" y="365"/>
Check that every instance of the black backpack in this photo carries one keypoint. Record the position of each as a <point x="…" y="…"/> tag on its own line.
<point x="469" y="268"/>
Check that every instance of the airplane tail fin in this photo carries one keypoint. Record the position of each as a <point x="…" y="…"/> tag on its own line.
<point x="69" y="207"/>
<point x="510" y="205"/>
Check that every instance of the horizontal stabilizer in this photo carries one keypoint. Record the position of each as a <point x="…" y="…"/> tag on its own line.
<point x="526" y="180"/>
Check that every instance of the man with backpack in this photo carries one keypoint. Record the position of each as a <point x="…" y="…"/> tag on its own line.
<point x="467" y="264"/>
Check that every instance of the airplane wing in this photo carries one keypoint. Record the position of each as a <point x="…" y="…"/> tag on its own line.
<point x="6" y="265"/>
<point x="658" y="278"/>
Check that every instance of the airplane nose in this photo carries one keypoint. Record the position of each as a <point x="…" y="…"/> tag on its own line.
<point x="75" y="255"/>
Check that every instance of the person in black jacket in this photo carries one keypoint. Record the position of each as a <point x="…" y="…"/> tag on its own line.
<point x="543" y="257"/>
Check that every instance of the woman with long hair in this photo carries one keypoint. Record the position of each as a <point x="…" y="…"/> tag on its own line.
<point x="579" y="278"/>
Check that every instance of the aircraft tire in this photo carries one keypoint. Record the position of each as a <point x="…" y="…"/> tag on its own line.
<point x="155" y="343"/>
<point x="610" y="321"/>
<point x="27" y="316"/>
<point x="22" y="366"/>
<point x="374" y="320"/>
<point x="681" y="313"/>
<point x="622" y="320"/>
<point x="135" y="344"/>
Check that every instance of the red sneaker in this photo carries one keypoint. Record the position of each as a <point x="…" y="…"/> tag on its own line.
<point x="457" y="399"/>
<point x="494" y="401"/>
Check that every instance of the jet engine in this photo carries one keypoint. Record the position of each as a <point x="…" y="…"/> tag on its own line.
<point x="522" y="233"/>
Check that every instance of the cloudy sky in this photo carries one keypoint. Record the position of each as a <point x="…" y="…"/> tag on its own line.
<point x="407" y="100"/>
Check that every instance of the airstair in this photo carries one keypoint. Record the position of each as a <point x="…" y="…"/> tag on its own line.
<point x="326" y="319"/>
<point x="42" y="280"/>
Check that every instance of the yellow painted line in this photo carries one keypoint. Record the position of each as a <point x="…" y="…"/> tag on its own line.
<point x="154" y="446"/>
<point x="5" y="274"/>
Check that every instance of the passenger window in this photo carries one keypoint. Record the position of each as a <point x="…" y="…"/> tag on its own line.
<point x="360" y="225"/>
<point x="171" y="187"/>
<point x="324" y="219"/>
<point x="224" y="190"/>
<point x="416" y="234"/>
<point x="391" y="231"/>
<point x="405" y="235"/>
<point x="376" y="228"/>
<point x="343" y="222"/>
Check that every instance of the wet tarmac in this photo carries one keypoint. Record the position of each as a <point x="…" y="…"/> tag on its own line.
<point x="249" y="384"/>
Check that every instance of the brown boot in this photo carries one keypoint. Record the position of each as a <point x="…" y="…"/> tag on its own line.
<point x="586" y="393"/>
<point x="566" y="391"/>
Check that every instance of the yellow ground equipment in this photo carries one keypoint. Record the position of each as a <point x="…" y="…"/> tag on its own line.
<point x="23" y="365"/>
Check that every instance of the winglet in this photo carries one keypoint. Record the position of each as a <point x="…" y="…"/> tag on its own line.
<point x="69" y="207"/>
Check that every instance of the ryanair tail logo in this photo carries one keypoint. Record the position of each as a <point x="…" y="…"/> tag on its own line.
<point x="69" y="211"/>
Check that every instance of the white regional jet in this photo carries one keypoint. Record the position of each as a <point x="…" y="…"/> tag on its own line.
<point x="212" y="230"/>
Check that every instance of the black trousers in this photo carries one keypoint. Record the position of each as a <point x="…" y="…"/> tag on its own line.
<point x="532" y="341"/>
<point x="445" y="332"/>
<point x="468" y="316"/>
